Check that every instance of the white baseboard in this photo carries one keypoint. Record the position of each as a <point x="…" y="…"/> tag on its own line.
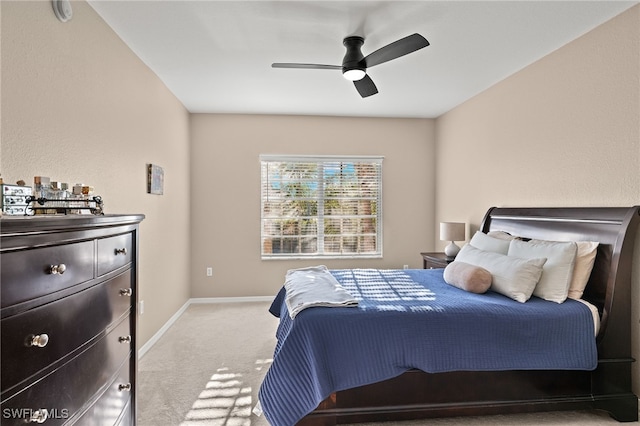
<point x="231" y="299"/>
<point x="154" y="339"/>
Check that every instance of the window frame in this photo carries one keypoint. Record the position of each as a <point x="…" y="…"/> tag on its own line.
<point x="320" y="217"/>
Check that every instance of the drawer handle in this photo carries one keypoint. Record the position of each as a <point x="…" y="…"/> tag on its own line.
<point x="39" y="341"/>
<point x="124" y="387"/>
<point x="38" y="416"/>
<point x="121" y="251"/>
<point x="126" y="292"/>
<point x="57" y="269"/>
<point x="124" y="339"/>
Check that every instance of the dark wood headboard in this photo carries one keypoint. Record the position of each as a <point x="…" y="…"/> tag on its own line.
<point x="609" y="287"/>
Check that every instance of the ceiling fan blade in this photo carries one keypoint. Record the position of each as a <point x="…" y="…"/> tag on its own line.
<point x="395" y="50"/>
<point x="365" y="86"/>
<point x="306" y="66"/>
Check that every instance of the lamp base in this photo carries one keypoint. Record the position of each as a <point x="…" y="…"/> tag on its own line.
<point x="451" y="250"/>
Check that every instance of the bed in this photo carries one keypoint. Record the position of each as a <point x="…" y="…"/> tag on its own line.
<point x="588" y="368"/>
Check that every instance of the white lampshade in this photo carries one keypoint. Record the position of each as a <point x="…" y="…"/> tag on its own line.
<point x="452" y="231"/>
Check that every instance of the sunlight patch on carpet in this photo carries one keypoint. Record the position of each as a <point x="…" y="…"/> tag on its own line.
<point x="224" y="401"/>
<point x="263" y="363"/>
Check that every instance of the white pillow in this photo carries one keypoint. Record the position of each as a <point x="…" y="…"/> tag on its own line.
<point x="585" y="258"/>
<point x="484" y="242"/>
<point x="511" y="276"/>
<point x="558" y="269"/>
<point x="503" y="235"/>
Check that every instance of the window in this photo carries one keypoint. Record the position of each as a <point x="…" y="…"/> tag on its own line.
<point x="321" y="206"/>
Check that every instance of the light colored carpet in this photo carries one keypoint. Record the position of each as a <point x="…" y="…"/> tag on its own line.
<point x="207" y="368"/>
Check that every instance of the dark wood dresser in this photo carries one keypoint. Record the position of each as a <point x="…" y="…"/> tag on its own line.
<point x="68" y="319"/>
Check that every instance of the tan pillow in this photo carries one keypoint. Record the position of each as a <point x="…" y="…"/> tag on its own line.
<point x="585" y="258"/>
<point x="467" y="277"/>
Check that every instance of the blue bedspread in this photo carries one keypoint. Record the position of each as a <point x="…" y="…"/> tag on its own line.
<point x="412" y="319"/>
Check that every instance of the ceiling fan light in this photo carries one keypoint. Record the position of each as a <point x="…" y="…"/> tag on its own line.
<point x="354" y="74"/>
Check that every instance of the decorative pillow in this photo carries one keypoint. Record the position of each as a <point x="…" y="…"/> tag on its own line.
<point x="558" y="269"/>
<point x="467" y="277"/>
<point x="585" y="258"/>
<point x="511" y="276"/>
<point x="484" y="242"/>
<point x="502" y="235"/>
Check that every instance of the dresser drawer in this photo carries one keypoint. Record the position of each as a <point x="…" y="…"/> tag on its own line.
<point x="127" y="419"/>
<point x="29" y="274"/>
<point x="67" y="323"/>
<point x="114" y="252"/>
<point x="113" y="407"/>
<point x="65" y="392"/>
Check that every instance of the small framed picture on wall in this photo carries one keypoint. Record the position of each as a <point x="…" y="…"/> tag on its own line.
<point x="155" y="179"/>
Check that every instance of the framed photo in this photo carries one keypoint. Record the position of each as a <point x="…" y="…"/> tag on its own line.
<point x="155" y="179"/>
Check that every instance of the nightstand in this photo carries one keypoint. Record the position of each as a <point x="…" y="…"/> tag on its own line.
<point x="435" y="260"/>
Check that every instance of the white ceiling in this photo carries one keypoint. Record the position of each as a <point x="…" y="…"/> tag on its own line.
<point x="216" y="56"/>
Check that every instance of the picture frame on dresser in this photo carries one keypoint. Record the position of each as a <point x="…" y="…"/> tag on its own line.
<point x="68" y="319"/>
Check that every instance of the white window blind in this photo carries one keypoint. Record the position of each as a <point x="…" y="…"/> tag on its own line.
<point x="321" y="206"/>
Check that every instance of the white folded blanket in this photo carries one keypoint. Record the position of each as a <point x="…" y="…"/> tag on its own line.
<point x="314" y="286"/>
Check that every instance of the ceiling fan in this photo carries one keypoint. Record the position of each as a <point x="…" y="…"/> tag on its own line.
<point x="354" y="64"/>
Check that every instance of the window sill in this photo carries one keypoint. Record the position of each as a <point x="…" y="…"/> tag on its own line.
<point x="302" y="257"/>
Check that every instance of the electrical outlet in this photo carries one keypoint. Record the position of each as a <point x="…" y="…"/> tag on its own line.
<point x="141" y="307"/>
<point x="405" y="267"/>
<point x="209" y="271"/>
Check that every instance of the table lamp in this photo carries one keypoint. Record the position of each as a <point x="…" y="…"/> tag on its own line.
<point x="451" y="231"/>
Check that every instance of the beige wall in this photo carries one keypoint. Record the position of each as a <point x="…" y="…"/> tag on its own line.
<point x="79" y="106"/>
<point x="225" y="173"/>
<point x="565" y="131"/>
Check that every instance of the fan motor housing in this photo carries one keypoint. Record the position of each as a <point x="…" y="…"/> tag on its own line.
<point x="352" y="59"/>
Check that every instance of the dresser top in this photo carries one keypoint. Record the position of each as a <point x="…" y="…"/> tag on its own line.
<point x="44" y="223"/>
